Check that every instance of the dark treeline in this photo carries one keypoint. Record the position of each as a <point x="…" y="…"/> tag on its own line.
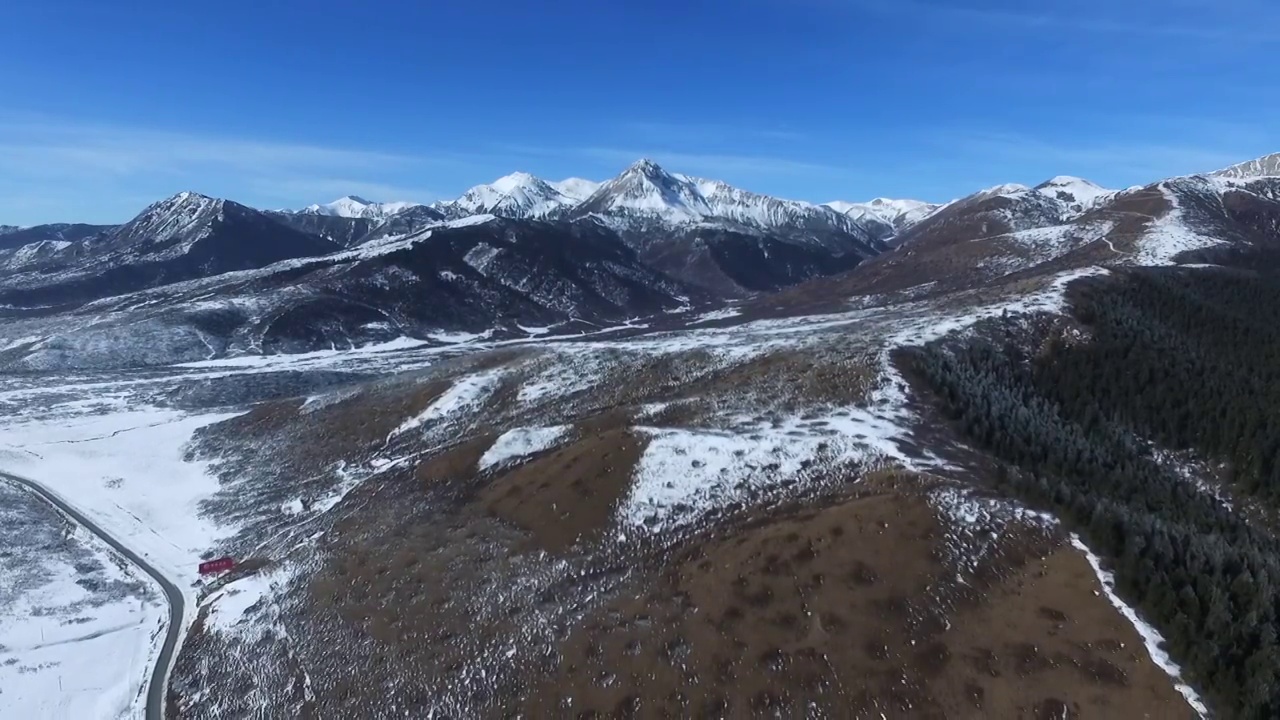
<point x="1190" y="360"/>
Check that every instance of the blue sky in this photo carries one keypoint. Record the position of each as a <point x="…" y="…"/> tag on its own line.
<point x="110" y="106"/>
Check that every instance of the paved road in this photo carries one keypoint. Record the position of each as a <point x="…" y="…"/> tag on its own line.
<point x="160" y="673"/>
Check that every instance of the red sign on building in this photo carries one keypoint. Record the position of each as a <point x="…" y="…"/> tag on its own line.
<point x="216" y="566"/>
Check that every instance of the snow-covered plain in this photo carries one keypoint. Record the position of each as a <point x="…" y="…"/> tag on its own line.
<point x="80" y="626"/>
<point x="125" y="470"/>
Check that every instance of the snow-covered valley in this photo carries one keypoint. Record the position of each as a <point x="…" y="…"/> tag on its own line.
<point x="479" y="462"/>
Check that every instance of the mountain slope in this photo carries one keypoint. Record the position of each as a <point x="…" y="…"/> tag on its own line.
<point x="340" y="230"/>
<point x="1012" y="231"/>
<point x="405" y="222"/>
<point x="483" y="275"/>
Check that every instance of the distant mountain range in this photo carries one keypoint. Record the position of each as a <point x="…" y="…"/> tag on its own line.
<point x="702" y="232"/>
<point x="196" y="275"/>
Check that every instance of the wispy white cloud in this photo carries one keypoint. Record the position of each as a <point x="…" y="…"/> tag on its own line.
<point x="47" y="163"/>
<point x="327" y="188"/>
<point x="715" y="164"/>
<point x="1228" y="20"/>
<point x="53" y="147"/>
<point x="675" y="132"/>
<point x="1134" y="161"/>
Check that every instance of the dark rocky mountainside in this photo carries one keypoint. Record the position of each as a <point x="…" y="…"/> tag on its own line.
<point x="491" y="276"/>
<point x="185" y="237"/>
<point x="342" y="231"/>
<point x="12" y="238"/>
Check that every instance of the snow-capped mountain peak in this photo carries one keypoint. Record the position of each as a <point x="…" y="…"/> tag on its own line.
<point x="518" y="195"/>
<point x="646" y="195"/>
<point x="183" y="215"/>
<point x="645" y="166"/>
<point x="1077" y="194"/>
<point x="644" y="189"/>
<point x="354" y="206"/>
<point x="898" y="213"/>
<point x="515" y="182"/>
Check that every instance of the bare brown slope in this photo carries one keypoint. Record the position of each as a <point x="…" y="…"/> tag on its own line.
<point x="848" y="608"/>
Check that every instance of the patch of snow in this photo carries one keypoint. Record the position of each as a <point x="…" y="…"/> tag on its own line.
<point x="1265" y="166"/>
<point x="650" y="410"/>
<point x="306" y="359"/>
<point x="459" y="337"/>
<point x="975" y="524"/>
<point x="1046" y="243"/>
<point x="522" y="442"/>
<point x="230" y="604"/>
<point x="481" y="256"/>
<point x="467" y="394"/>
<point x="468" y="221"/>
<point x="686" y="473"/>
<point x="17" y="342"/>
<point x="1170" y="235"/>
<point x="535" y="331"/>
<point x="573" y="370"/>
<point x="721" y="314"/>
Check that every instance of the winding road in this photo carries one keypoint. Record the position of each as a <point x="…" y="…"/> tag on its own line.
<point x="160" y="673"/>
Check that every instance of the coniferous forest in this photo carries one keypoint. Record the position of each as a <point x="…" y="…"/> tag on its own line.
<point x="1188" y="360"/>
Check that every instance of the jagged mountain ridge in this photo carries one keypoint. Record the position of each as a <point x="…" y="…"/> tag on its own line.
<point x="1265" y="166"/>
<point x="353" y="206"/>
<point x="898" y="214"/>
<point x="645" y="194"/>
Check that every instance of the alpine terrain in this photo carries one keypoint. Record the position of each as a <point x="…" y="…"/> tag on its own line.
<point x="656" y="446"/>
